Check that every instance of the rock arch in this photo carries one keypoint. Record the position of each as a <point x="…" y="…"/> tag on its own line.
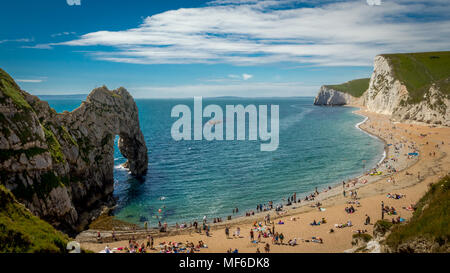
<point x="60" y="165"/>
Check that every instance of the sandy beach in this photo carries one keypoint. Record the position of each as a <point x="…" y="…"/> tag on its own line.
<point x="398" y="173"/>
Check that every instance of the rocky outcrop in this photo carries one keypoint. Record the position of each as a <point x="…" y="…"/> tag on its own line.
<point x="329" y="96"/>
<point x="61" y="165"/>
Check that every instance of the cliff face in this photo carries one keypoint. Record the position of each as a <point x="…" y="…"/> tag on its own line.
<point x="385" y="92"/>
<point x="61" y="165"/>
<point x="329" y="96"/>
<point x="408" y="87"/>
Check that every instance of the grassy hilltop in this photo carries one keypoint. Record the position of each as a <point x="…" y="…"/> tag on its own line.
<point x="355" y="87"/>
<point x="418" y="71"/>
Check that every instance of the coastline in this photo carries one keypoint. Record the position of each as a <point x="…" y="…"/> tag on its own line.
<point x="242" y="218"/>
<point x="330" y="199"/>
<point x="358" y="125"/>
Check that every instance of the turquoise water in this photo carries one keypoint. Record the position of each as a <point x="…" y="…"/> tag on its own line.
<point x="319" y="146"/>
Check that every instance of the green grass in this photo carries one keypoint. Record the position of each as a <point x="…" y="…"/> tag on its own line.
<point x="53" y="145"/>
<point x="383" y="225"/>
<point x="364" y="236"/>
<point x="107" y="222"/>
<point x="430" y="220"/>
<point x="355" y="87"/>
<point x="417" y="71"/>
<point x="12" y="90"/>
<point x="20" y="231"/>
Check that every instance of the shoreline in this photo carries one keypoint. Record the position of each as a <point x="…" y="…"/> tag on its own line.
<point x="330" y="199"/>
<point x="243" y="218"/>
<point x="358" y="125"/>
<point x="334" y="185"/>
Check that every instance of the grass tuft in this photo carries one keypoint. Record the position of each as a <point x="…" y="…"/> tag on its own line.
<point x="355" y="87"/>
<point x="22" y="232"/>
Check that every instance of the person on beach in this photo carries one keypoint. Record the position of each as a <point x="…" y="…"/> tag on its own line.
<point x="382" y="210"/>
<point x="114" y="235"/>
<point x="227" y="232"/>
<point x="148" y="241"/>
<point x="252" y="235"/>
<point x="367" y="222"/>
<point x="267" y="248"/>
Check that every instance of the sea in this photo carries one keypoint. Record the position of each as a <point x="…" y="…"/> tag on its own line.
<point x="187" y="180"/>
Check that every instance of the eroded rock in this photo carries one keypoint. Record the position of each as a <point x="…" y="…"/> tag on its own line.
<point x="61" y="165"/>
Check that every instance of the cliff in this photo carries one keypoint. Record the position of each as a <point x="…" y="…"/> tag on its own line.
<point x="347" y="93"/>
<point x="408" y="87"/>
<point x="60" y="166"/>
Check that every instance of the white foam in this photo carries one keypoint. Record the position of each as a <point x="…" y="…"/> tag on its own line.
<point x="357" y="125"/>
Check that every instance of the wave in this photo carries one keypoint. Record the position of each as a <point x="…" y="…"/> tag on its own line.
<point x="357" y="125"/>
<point x="292" y="119"/>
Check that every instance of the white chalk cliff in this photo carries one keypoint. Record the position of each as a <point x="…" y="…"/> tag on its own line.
<point x="330" y="96"/>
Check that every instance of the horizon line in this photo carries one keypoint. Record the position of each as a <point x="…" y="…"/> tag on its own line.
<point x="208" y="97"/>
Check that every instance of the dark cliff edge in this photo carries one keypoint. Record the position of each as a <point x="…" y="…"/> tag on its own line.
<point x="60" y="165"/>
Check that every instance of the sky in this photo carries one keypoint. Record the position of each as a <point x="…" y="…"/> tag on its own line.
<point x="250" y="48"/>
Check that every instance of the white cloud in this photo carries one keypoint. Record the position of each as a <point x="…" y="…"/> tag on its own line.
<point x="65" y="33"/>
<point x="374" y="2"/>
<point x="243" y="89"/>
<point x="39" y="46"/>
<point x="254" y="32"/>
<point x="73" y="2"/>
<point x="29" y="80"/>
<point x="22" y="40"/>
<point x="244" y="76"/>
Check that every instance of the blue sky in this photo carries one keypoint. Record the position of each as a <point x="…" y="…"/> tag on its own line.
<point x="210" y="48"/>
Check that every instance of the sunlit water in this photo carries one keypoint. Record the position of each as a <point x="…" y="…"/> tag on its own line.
<point x="319" y="146"/>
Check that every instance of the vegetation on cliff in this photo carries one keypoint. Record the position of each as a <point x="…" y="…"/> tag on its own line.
<point x="20" y="231"/>
<point x="430" y="220"/>
<point x="355" y="87"/>
<point x="418" y="71"/>
<point x="60" y="166"/>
